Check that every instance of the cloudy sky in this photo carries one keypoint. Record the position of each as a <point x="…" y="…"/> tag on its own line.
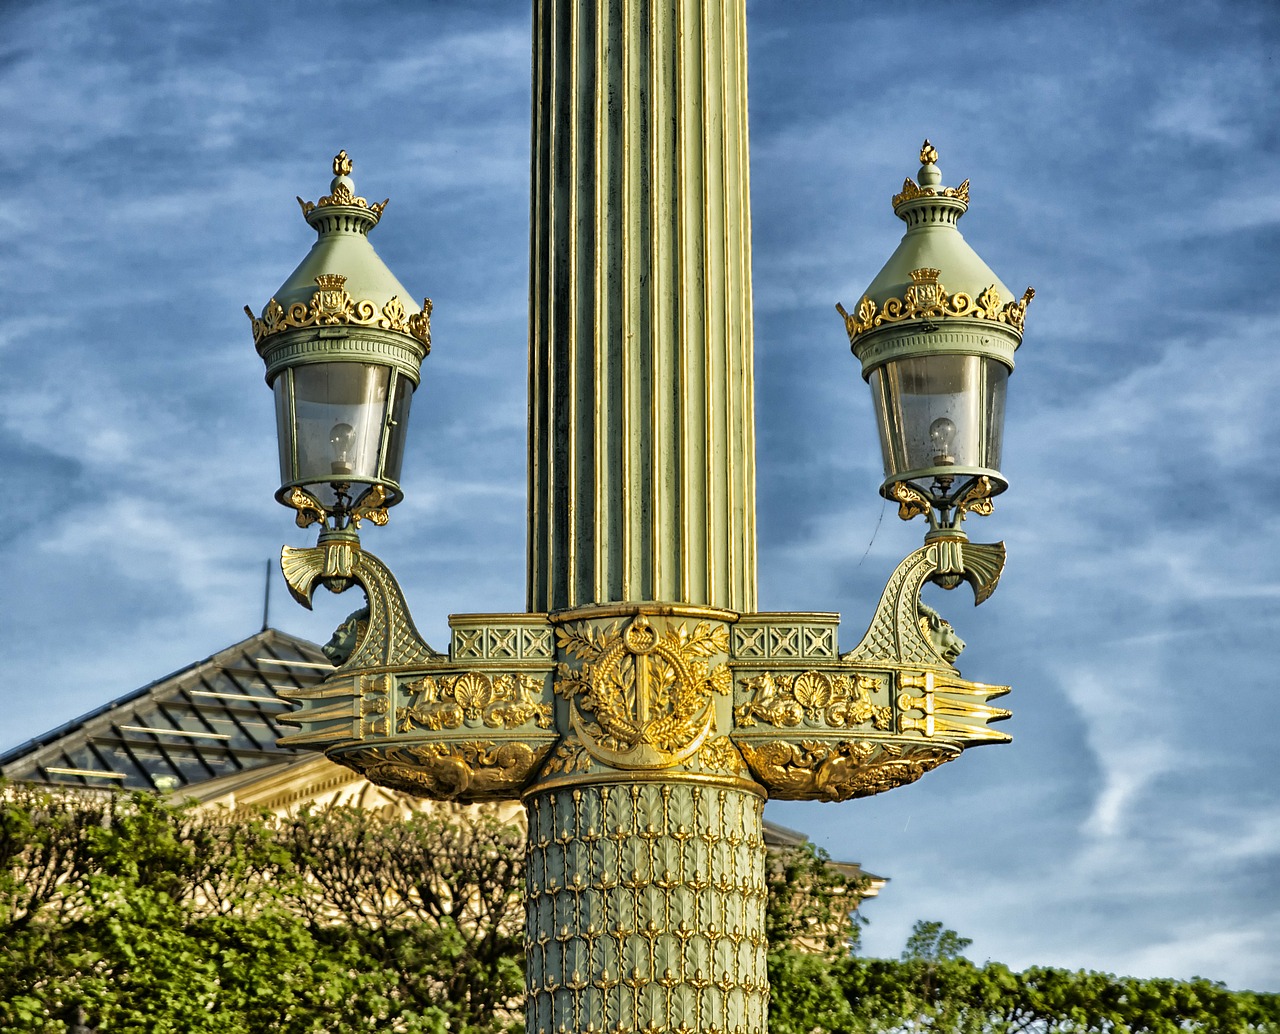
<point x="1121" y="157"/>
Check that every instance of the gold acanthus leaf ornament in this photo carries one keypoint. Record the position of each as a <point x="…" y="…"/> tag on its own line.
<point x="911" y="501"/>
<point x="643" y="697"/>
<point x="464" y="771"/>
<point x="912" y="190"/>
<point x="332" y="305"/>
<point x="371" y="506"/>
<point x="821" y="770"/>
<point x="310" y="509"/>
<point x="926" y="298"/>
<point x="498" y="702"/>
<point x="814" y="698"/>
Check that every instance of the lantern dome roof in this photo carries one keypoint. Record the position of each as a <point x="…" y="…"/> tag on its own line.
<point x="934" y="273"/>
<point x="342" y="280"/>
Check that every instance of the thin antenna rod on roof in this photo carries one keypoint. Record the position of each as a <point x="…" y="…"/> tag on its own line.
<point x="266" y="600"/>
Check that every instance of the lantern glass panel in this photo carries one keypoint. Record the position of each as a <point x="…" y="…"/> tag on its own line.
<point x="397" y="427"/>
<point x="341" y="423"/>
<point x="940" y="413"/>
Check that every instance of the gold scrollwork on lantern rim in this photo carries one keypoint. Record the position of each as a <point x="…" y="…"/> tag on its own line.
<point x="837" y="770"/>
<point x="835" y="700"/>
<point x="332" y="305"/>
<point x="471" y="770"/>
<point x="912" y="190"/>
<point x="927" y="298"/>
<point x="504" y="701"/>
<point x="643" y="698"/>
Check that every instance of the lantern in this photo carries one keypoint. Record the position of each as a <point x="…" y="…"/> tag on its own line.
<point x="343" y="348"/>
<point x="936" y="332"/>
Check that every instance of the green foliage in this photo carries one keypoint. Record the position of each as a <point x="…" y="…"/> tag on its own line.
<point x="434" y="901"/>
<point x="930" y="941"/>
<point x="126" y="914"/>
<point x="811" y="902"/>
<point x="934" y="988"/>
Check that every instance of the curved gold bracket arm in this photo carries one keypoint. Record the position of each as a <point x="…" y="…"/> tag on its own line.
<point x="895" y="633"/>
<point x="390" y="640"/>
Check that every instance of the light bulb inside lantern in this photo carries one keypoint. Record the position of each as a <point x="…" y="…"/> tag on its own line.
<point x="942" y="433"/>
<point x="342" y="438"/>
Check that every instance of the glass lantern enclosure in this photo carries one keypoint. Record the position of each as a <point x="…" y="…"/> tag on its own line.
<point x="342" y="428"/>
<point x="940" y="417"/>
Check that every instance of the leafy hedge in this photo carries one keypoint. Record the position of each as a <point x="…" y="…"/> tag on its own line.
<point x="127" y="914"/>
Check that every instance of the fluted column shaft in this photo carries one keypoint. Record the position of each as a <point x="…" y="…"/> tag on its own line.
<point x="641" y="436"/>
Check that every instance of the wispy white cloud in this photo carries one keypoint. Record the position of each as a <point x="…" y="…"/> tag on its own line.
<point x="150" y="168"/>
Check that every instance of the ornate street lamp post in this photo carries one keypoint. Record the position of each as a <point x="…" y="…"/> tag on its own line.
<point x="642" y="708"/>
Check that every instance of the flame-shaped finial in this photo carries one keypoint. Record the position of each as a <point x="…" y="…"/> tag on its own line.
<point x="928" y="154"/>
<point x="342" y="163"/>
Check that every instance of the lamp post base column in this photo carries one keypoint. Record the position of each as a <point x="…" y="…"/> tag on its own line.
<point x="645" y="909"/>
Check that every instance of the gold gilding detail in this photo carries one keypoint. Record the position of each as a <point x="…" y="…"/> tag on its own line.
<point x="837" y="701"/>
<point x="912" y="190"/>
<point x="332" y="305"/>
<point x="569" y="756"/>
<point x="928" y="153"/>
<point x="838" y="770"/>
<point x="342" y="194"/>
<point x="721" y="755"/>
<point x="911" y="501"/>
<point x="371" y="506"/>
<point x="950" y="707"/>
<point x="976" y="498"/>
<point x="474" y="697"/>
<point x="926" y="298"/>
<point x="310" y="509"/>
<point x="643" y="697"/>
<point x="472" y="770"/>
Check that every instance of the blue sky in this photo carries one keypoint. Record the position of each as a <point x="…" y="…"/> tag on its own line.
<point x="1121" y="157"/>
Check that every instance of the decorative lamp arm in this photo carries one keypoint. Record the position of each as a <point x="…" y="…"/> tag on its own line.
<point x="390" y="638"/>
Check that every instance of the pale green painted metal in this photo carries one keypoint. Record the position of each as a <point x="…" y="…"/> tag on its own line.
<point x="641" y="424"/>
<point x="342" y="247"/>
<point x="934" y="241"/>
<point x="645" y="884"/>
<point x="645" y="909"/>
<point x="342" y="345"/>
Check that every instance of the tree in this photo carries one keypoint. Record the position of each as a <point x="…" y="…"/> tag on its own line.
<point x="123" y="913"/>
<point x="127" y="914"/>
<point x="434" y="900"/>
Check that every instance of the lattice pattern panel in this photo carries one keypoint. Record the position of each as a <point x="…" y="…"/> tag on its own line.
<point x="645" y="907"/>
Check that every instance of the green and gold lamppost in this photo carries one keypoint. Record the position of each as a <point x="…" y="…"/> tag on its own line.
<point x="642" y="708"/>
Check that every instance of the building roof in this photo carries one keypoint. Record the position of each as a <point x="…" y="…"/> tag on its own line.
<point x="214" y="718"/>
<point x="209" y="730"/>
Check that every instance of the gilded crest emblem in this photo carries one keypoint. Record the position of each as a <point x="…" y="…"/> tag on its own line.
<point x="331" y="299"/>
<point x="925" y="292"/>
<point x="644" y="697"/>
